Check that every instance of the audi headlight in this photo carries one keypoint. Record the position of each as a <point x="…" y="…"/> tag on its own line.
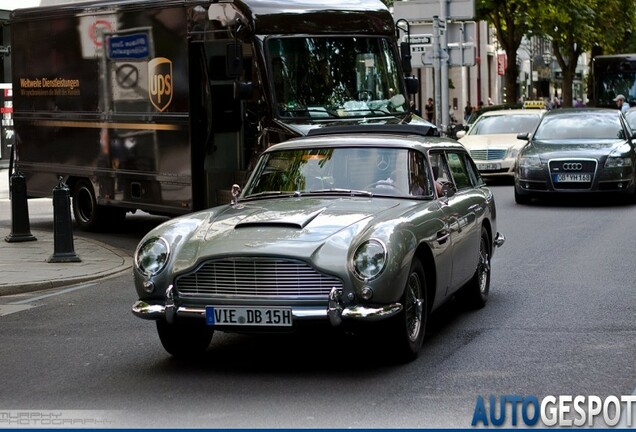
<point x="152" y="256"/>
<point x="618" y="162"/>
<point x="530" y="162"/>
<point x="369" y="259"/>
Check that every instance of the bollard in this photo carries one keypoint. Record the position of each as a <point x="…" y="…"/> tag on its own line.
<point x="62" y="226"/>
<point x="20" y="227"/>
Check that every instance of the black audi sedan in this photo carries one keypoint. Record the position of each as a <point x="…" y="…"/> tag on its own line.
<point x="587" y="150"/>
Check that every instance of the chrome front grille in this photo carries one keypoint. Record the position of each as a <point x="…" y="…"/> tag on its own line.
<point x="256" y="277"/>
<point x="488" y="154"/>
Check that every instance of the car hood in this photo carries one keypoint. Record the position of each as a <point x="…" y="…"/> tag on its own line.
<point x="297" y="227"/>
<point x="550" y="149"/>
<point x="487" y="141"/>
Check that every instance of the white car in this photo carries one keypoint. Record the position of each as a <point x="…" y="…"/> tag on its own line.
<point x="492" y="139"/>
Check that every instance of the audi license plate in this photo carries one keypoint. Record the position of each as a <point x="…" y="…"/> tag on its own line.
<point x="248" y="316"/>
<point x="572" y="178"/>
<point x="488" y="166"/>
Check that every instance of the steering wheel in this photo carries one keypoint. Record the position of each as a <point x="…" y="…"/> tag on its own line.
<point x="381" y="184"/>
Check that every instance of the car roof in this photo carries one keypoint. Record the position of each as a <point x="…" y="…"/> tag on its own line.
<point x="375" y="139"/>
<point x="512" y="112"/>
<point x="582" y="111"/>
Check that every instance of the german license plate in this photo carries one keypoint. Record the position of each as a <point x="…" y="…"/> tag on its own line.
<point x="572" y="178"/>
<point x="248" y="316"/>
<point x="488" y="166"/>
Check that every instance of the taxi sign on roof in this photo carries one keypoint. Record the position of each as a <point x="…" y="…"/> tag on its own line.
<point x="537" y="104"/>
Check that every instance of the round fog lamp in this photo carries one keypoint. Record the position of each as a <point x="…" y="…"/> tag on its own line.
<point x="366" y="293"/>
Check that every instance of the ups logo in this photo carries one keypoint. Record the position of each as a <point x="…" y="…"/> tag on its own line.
<point x="160" y="82"/>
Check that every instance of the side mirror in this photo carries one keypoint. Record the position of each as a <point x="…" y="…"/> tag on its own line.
<point x="412" y="85"/>
<point x="448" y="190"/>
<point x="524" y="136"/>
<point x="460" y="134"/>
<point x="405" y="53"/>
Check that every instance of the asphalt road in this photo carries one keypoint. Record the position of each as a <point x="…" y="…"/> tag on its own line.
<point x="560" y="321"/>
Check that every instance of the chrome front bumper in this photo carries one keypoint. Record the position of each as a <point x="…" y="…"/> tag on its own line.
<point x="334" y="312"/>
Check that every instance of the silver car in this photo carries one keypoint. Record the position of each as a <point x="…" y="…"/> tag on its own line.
<point x="342" y="228"/>
<point x="492" y="139"/>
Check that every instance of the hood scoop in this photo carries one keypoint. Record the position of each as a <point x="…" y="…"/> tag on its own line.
<point x="275" y="219"/>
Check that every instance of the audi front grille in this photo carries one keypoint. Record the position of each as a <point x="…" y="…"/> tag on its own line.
<point x="572" y="166"/>
<point x="256" y="277"/>
<point x="488" y="154"/>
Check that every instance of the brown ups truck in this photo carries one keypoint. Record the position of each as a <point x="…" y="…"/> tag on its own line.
<point x="161" y="105"/>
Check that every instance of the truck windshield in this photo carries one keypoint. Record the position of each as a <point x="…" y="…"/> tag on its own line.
<point x="328" y="77"/>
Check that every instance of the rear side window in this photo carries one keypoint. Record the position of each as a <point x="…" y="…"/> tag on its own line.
<point x="459" y="170"/>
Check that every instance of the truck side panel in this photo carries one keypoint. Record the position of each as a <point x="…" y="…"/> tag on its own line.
<point x="103" y="96"/>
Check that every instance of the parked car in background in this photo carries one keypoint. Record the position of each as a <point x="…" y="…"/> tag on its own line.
<point x="578" y="150"/>
<point x="492" y="139"/>
<point x="339" y="228"/>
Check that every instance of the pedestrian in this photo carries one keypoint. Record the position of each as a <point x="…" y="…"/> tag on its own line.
<point x="429" y="110"/>
<point x="468" y="110"/>
<point x="621" y="103"/>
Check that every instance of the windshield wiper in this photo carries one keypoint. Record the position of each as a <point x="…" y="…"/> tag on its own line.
<point x="265" y="194"/>
<point x="373" y="110"/>
<point x="339" y="191"/>
<point x="310" y="110"/>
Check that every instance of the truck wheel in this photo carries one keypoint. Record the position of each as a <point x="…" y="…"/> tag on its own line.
<point x="184" y="338"/>
<point x="90" y="216"/>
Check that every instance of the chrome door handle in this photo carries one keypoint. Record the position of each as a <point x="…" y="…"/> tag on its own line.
<point x="442" y="236"/>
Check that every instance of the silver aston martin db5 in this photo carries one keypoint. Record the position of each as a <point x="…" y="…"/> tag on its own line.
<point x="339" y="228"/>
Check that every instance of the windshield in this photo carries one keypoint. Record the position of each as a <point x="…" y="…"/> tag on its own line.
<point x="610" y="85"/>
<point x="581" y="126"/>
<point x="329" y="77"/>
<point x="356" y="170"/>
<point x="505" y="124"/>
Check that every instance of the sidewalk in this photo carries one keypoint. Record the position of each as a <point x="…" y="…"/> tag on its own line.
<point x="24" y="266"/>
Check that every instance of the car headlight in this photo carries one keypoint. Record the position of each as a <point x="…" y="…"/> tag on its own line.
<point x="618" y="162"/>
<point x="513" y="153"/>
<point x="152" y="256"/>
<point x="369" y="259"/>
<point x="530" y="162"/>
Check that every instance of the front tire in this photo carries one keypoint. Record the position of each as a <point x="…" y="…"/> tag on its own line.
<point x="522" y="199"/>
<point x="407" y="329"/>
<point x="476" y="291"/>
<point x="184" y="338"/>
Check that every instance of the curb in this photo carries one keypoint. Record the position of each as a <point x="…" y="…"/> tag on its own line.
<point x="123" y="262"/>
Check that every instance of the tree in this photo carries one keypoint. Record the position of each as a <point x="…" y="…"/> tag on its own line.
<point x="510" y="19"/>
<point x="575" y="26"/>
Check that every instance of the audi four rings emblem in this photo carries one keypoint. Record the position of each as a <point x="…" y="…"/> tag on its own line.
<point x="573" y="166"/>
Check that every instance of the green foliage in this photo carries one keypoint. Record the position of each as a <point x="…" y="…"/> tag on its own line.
<point x="575" y="26"/>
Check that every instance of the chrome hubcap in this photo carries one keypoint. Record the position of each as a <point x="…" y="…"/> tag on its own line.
<point x="483" y="267"/>
<point x="414" y="307"/>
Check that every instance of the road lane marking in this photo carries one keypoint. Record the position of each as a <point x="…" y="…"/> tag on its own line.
<point x="42" y="297"/>
<point x="10" y="309"/>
